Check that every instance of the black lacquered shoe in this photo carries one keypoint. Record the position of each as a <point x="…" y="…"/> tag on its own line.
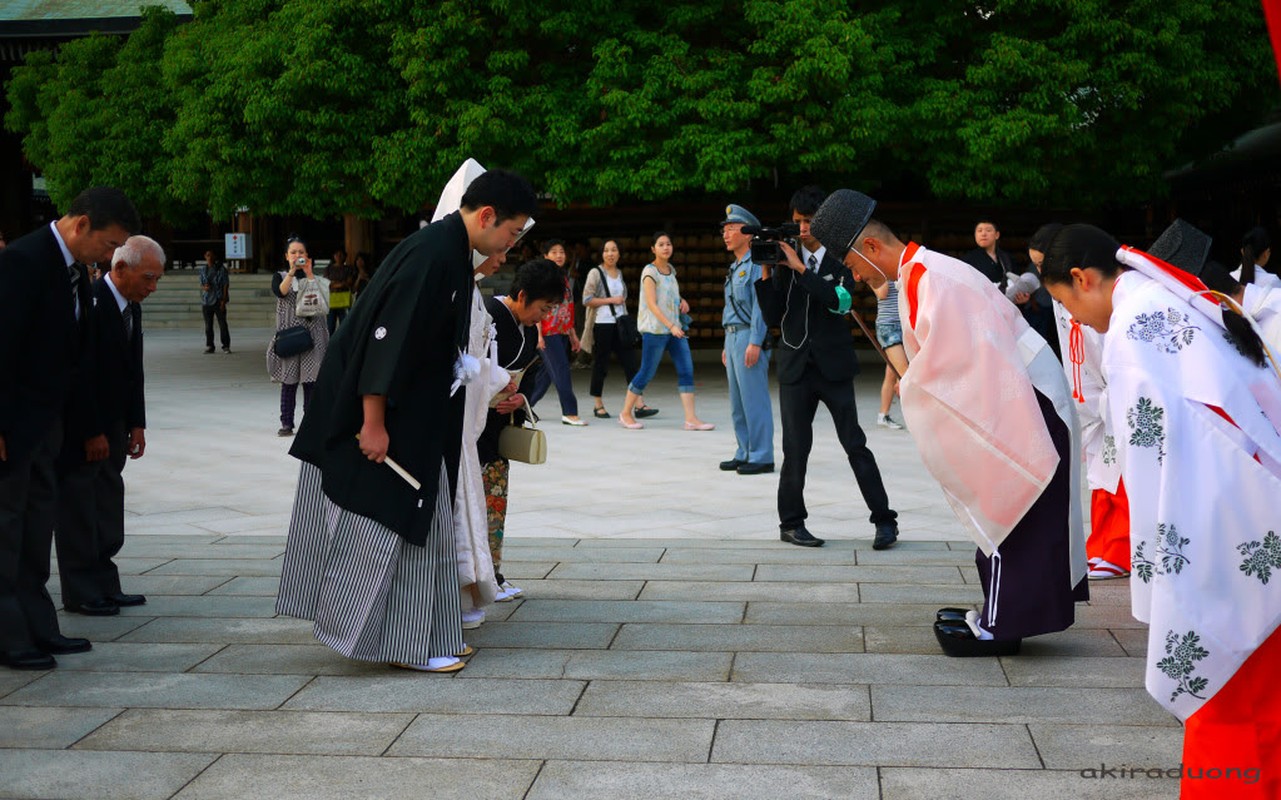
<point x="123" y="600"/>
<point x="748" y="468"/>
<point x="731" y="465"/>
<point x="951" y="615"/>
<point x="958" y="641"/>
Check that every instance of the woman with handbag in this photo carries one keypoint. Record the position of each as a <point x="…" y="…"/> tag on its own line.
<point x="609" y="328"/>
<point x="290" y="360"/>
<point x="538" y="286"/>
<point x="662" y="325"/>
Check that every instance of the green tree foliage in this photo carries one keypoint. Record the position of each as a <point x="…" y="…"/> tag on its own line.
<point x="96" y="115"/>
<point x="358" y="106"/>
<point x="280" y="103"/>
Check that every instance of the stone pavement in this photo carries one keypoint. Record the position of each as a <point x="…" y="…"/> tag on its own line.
<point x="667" y="645"/>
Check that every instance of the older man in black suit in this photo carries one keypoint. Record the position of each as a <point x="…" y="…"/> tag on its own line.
<point x="808" y="298"/>
<point x="103" y="433"/>
<point x="44" y="335"/>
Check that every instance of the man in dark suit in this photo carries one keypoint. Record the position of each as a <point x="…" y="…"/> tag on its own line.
<point x="808" y="298"/>
<point x="102" y="433"/>
<point x="44" y="335"/>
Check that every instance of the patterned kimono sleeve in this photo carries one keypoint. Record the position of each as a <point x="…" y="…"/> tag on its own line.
<point x="1206" y="554"/>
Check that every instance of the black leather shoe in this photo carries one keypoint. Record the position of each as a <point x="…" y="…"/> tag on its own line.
<point x="102" y="607"/>
<point x="61" y="645"/>
<point x="958" y="641"/>
<point x="731" y="465"/>
<point x="748" y="468"/>
<point x="27" y="659"/>
<point x="123" y="600"/>
<point x="642" y="413"/>
<point x="800" y="536"/>
<point x="886" y="535"/>
<point x="951" y="615"/>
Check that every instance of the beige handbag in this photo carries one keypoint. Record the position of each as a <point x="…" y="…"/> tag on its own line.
<point x="524" y="443"/>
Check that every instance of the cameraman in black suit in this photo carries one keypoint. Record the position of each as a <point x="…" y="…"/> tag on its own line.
<point x="102" y="433"/>
<point x="44" y="335"/>
<point x="808" y="297"/>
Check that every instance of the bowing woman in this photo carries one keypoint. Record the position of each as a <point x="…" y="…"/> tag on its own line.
<point x="538" y="286"/>
<point x="289" y="371"/>
<point x="1195" y="410"/>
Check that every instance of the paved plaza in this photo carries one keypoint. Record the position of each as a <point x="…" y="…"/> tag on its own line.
<point x="667" y="646"/>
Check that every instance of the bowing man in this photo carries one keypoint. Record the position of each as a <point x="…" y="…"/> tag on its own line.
<point x="370" y="555"/>
<point x="102" y="433"/>
<point x="995" y="425"/>
<point x="44" y="302"/>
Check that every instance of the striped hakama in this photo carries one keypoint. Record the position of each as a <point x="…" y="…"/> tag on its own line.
<point x="372" y="595"/>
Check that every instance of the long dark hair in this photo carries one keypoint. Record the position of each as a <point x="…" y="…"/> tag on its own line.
<point x="1255" y="243"/>
<point x="1088" y="247"/>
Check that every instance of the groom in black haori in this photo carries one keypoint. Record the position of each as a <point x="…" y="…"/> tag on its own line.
<point x="370" y="555"/>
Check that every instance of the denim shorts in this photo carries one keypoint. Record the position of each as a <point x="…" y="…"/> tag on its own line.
<point x="889" y="333"/>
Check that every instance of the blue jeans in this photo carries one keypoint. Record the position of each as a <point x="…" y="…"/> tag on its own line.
<point x="556" y="369"/>
<point x="652" y="347"/>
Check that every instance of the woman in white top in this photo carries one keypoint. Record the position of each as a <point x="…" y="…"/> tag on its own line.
<point x="660" y="327"/>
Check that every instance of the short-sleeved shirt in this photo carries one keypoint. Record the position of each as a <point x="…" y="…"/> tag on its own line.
<point x="215" y="277"/>
<point x="887" y="309"/>
<point x="667" y="296"/>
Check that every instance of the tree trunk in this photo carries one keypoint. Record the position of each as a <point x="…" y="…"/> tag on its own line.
<point x="358" y="236"/>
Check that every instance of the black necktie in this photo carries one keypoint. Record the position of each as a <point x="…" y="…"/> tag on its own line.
<point x="128" y="317"/>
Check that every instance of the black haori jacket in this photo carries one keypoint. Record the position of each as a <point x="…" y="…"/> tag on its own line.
<point x="400" y="341"/>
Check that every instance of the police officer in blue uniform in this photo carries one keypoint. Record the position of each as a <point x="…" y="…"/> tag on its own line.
<point x="745" y="358"/>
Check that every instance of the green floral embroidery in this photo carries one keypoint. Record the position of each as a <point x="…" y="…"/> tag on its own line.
<point x="1169" y="329"/>
<point x="1147" y="427"/>
<point x="1142" y="565"/>
<point x="1109" y="449"/>
<point x="1169" y="549"/>
<point x="1261" y="557"/>
<point x="1179" y="664"/>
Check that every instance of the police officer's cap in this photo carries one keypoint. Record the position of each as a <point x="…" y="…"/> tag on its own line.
<point x="736" y="213"/>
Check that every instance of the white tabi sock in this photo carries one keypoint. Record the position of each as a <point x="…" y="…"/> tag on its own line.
<point x="972" y="619"/>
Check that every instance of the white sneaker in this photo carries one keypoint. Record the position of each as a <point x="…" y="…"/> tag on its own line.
<point x="472" y="618"/>
<point x="886" y="421"/>
<point x="507" y="593"/>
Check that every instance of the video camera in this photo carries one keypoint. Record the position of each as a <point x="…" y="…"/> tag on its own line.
<point x="765" y="249"/>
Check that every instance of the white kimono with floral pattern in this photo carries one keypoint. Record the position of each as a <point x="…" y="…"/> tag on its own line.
<point x="1196" y="430"/>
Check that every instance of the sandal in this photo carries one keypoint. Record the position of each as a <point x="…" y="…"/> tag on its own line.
<point x="600" y="413"/>
<point x="1106" y="570"/>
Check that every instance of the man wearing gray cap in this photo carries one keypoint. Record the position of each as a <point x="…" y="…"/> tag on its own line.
<point x="986" y="393"/>
<point x="745" y="358"/>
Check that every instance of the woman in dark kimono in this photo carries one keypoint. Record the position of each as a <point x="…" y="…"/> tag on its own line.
<point x="539" y="285"/>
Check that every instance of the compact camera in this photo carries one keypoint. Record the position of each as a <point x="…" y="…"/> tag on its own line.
<point x="765" y="249"/>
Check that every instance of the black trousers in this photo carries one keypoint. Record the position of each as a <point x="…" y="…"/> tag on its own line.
<point x="606" y="341"/>
<point x="28" y="503"/>
<point x="798" y="403"/>
<point x="91" y="524"/>
<point x="219" y="311"/>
